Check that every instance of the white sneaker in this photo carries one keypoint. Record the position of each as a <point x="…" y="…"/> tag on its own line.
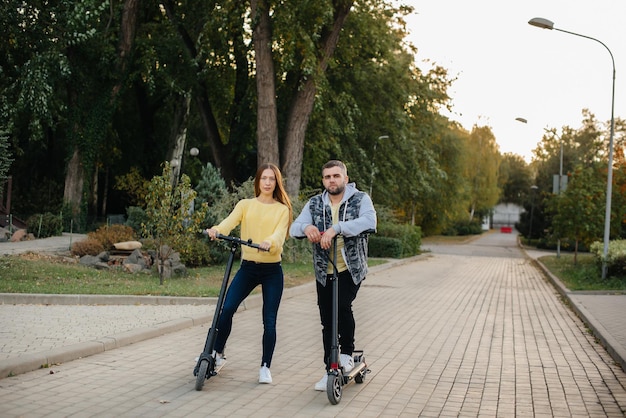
<point x="264" y="375"/>
<point x="347" y="362"/>
<point x="321" y="385"/>
<point x="220" y="360"/>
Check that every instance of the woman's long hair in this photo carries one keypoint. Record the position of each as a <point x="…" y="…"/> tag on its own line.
<point x="279" y="191"/>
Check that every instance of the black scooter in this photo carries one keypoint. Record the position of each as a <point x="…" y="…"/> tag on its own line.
<point x="337" y="378"/>
<point x="205" y="366"/>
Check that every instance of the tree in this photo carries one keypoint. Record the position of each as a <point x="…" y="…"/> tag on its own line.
<point x="578" y="212"/>
<point x="514" y="179"/>
<point x="482" y="170"/>
<point x="172" y="219"/>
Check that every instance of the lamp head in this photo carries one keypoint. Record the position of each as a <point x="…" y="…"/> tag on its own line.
<point x="520" y="119"/>
<point x="540" y="22"/>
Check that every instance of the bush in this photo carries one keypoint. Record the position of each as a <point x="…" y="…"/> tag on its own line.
<point x="384" y="247"/>
<point x="46" y="225"/>
<point x="136" y="217"/>
<point x="87" y="246"/>
<point x="410" y="236"/>
<point x="615" y="258"/>
<point x="194" y="252"/>
<point x="110" y="234"/>
<point x="463" y="228"/>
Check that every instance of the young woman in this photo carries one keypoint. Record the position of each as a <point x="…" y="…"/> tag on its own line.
<point x="265" y="220"/>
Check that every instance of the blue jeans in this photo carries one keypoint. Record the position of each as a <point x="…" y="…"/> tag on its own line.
<point x="250" y="275"/>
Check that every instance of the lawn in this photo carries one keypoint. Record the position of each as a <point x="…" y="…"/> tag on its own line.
<point x="36" y="273"/>
<point x="584" y="275"/>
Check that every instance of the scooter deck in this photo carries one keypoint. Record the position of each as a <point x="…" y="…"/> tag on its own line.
<point x="220" y="367"/>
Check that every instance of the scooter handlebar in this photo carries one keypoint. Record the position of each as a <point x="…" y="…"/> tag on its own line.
<point x="362" y="234"/>
<point x="238" y="240"/>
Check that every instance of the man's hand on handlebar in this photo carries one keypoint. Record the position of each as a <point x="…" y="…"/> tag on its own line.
<point x="324" y="238"/>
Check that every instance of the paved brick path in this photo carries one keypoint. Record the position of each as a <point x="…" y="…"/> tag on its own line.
<point x="464" y="332"/>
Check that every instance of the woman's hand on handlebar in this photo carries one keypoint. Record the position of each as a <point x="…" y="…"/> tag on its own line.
<point x="265" y="246"/>
<point x="212" y="233"/>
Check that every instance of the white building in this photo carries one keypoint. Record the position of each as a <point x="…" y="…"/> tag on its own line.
<point x="506" y="214"/>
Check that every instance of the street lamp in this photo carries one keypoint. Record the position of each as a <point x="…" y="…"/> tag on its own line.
<point x="532" y="210"/>
<point x="177" y="165"/>
<point x="547" y="24"/>
<point x="373" y="160"/>
<point x="559" y="187"/>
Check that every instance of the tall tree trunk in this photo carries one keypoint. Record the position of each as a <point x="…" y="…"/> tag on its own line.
<point x="178" y="137"/>
<point x="267" y="120"/>
<point x="300" y="111"/>
<point x="128" y="29"/>
<point x="74" y="181"/>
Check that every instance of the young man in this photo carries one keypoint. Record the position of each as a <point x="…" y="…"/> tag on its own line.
<point x="340" y="209"/>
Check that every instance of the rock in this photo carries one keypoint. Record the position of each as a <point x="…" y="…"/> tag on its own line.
<point x="18" y="235"/>
<point x="133" y="268"/>
<point x="136" y="257"/>
<point x="103" y="256"/>
<point x="89" y="260"/>
<point x="127" y="245"/>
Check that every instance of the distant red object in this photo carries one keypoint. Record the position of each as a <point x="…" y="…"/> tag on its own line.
<point x="506" y="229"/>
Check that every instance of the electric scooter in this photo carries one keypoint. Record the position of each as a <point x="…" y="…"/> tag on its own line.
<point x="205" y="366"/>
<point x="337" y="378"/>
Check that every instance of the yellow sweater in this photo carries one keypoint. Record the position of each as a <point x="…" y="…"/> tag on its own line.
<point x="259" y="222"/>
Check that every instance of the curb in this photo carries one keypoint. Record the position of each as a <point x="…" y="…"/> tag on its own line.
<point x="615" y="349"/>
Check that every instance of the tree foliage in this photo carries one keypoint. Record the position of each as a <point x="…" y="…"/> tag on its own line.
<point x="97" y="96"/>
<point x="173" y="220"/>
<point x="579" y="211"/>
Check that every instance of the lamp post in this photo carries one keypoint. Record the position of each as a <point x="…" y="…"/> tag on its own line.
<point x="547" y="24"/>
<point x="532" y="210"/>
<point x="177" y="165"/>
<point x="559" y="187"/>
<point x="373" y="160"/>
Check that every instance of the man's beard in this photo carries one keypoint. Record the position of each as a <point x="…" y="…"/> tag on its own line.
<point x="340" y="188"/>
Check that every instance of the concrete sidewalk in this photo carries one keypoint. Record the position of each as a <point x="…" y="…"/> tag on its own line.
<point x="61" y="243"/>
<point x="463" y="330"/>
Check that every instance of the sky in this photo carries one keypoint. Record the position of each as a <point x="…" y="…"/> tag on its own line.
<point x="506" y="68"/>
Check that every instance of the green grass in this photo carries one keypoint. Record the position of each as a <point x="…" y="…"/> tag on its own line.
<point x="51" y="275"/>
<point x="584" y="275"/>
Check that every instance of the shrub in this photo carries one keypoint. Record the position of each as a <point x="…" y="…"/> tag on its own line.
<point x="45" y="225"/>
<point x="136" y="218"/>
<point x="194" y="252"/>
<point x="410" y="236"/>
<point x="615" y="258"/>
<point x="110" y="234"/>
<point x="87" y="246"/>
<point x="462" y="228"/>
<point x="384" y="247"/>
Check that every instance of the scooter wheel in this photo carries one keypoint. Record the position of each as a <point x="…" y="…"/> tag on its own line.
<point x="201" y="376"/>
<point x="359" y="377"/>
<point x="334" y="387"/>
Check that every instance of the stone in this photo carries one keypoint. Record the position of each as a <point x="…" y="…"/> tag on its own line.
<point x="18" y="235"/>
<point x="127" y="245"/>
